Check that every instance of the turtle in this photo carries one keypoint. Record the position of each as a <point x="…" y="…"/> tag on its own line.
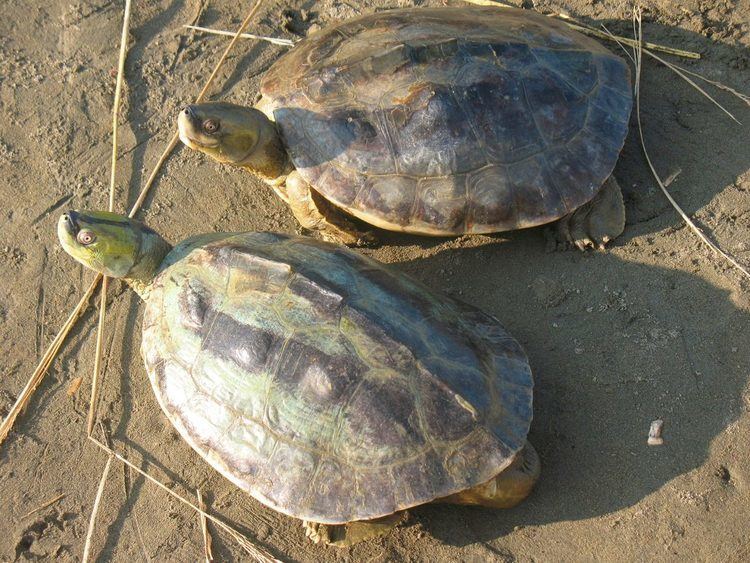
<point x="325" y="384"/>
<point x="435" y="121"/>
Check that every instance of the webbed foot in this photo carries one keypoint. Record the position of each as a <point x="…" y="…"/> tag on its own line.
<point x="316" y="213"/>
<point x="345" y="535"/>
<point x="349" y="236"/>
<point x="506" y="489"/>
<point x="592" y="225"/>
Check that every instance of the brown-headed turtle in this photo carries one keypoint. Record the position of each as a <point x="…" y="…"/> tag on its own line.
<point x="325" y="384"/>
<point x="436" y="121"/>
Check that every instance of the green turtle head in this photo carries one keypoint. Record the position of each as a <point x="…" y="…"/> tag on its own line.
<point x="233" y="134"/>
<point x="112" y="244"/>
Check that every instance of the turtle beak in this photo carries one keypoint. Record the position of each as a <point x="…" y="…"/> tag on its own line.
<point x="69" y="222"/>
<point x="187" y="123"/>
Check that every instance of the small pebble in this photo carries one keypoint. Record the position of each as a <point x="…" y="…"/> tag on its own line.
<point x="654" y="433"/>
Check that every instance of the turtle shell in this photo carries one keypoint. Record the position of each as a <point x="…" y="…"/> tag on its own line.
<point x="328" y="386"/>
<point x="452" y="120"/>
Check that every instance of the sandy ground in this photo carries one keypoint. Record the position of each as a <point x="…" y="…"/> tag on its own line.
<point x="657" y="326"/>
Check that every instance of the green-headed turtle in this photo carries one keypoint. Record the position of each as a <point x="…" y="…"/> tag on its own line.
<point x="436" y="121"/>
<point x="325" y="384"/>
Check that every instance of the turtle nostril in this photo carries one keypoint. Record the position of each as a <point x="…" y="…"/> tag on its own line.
<point x="187" y="110"/>
<point x="70" y="220"/>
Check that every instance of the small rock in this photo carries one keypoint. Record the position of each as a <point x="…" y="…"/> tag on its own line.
<point x="654" y="433"/>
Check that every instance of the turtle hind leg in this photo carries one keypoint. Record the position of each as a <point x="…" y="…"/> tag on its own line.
<point x="345" y="535"/>
<point x="314" y="212"/>
<point x="593" y="224"/>
<point x="506" y="489"/>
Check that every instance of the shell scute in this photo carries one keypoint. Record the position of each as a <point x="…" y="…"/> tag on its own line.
<point x="491" y="198"/>
<point x="512" y="55"/>
<point x="392" y="196"/>
<point x="442" y="202"/>
<point x="559" y="112"/>
<point x="380" y="425"/>
<point x="424" y="128"/>
<point x="536" y="203"/>
<point x="372" y="343"/>
<point x="497" y="107"/>
<point x="576" y="68"/>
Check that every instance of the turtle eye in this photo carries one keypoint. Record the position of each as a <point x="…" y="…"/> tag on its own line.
<point x="86" y="237"/>
<point x="210" y="126"/>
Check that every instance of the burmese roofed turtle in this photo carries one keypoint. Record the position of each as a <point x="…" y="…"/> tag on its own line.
<point x="439" y="121"/>
<point x="325" y="384"/>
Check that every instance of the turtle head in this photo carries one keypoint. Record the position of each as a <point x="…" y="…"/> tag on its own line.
<point x="235" y="135"/>
<point x="112" y="244"/>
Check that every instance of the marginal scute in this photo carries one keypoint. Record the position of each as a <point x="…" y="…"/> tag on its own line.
<point x="175" y="382"/>
<point x="392" y="196"/>
<point x="574" y="179"/>
<point x="466" y="88"/>
<point x="442" y="202"/>
<point x="536" y="203"/>
<point x="491" y="199"/>
<point x="288" y="461"/>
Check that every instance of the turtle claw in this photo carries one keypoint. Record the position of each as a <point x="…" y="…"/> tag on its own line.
<point x="592" y="225"/>
<point x="367" y="239"/>
<point x="316" y="533"/>
<point x="345" y="535"/>
<point x="352" y="238"/>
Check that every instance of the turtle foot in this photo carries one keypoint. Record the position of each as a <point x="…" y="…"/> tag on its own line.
<point x="345" y="535"/>
<point x="349" y="237"/>
<point x="592" y="225"/>
<point x="506" y="489"/>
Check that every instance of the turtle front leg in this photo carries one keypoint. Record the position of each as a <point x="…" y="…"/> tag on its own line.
<point x="345" y="535"/>
<point x="506" y="489"/>
<point x="593" y="224"/>
<point x="315" y="213"/>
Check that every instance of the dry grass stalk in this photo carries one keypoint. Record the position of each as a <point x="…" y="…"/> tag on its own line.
<point x="583" y="28"/>
<point x="116" y="104"/>
<point x="209" y="556"/>
<point x="97" y="502"/>
<point x="97" y="357"/>
<point x="638" y="56"/>
<point x="132" y="516"/>
<point x="274" y="40"/>
<point x="256" y="552"/>
<point x="45" y="505"/>
<point x="113" y="169"/>
<point x="744" y="97"/>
